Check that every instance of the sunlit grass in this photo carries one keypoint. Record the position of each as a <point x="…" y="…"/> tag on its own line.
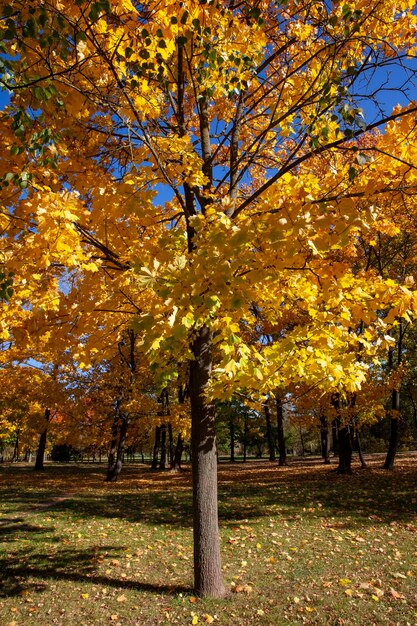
<point x="301" y="545"/>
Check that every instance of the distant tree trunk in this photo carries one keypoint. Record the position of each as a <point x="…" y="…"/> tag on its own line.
<point x="28" y="455"/>
<point x="303" y="450"/>
<point x="113" y="474"/>
<point x="359" y="448"/>
<point x="395" y="406"/>
<point x="113" y="443"/>
<point x="245" y="439"/>
<point x="325" y="439"/>
<point x="232" y="438"/>
<point x="176" y="465"/>
<point x="15" y="456"/>
<point x="335" y="438"/>
<point x="269" y="438"/>
<point x="156" y="447"/>
<point x="163" y="461"/>
<point x="171" y="445"/>
<point x="280" y="431"/>
<point x="40" y="453"/>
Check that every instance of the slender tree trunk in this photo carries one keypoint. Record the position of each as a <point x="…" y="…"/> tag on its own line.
<point x="269" y="438"/>
<point x="232" y="438"/>
<point x="280" y="432"/>
<point x="207" y="563"/>
<point x="117" y="467"/>
<point x="335" y="438"/>
<point x="15" y="456"/>
<point x="171" y="447"/>
<point x="325" y="439"/>
<point x="178" y="453"/>
<point x="163" y="461"/>
<point x="40" y="453"/>
<point x="360" y="451"/>
<point x="113" y="444"/>
<point x="245" y="439"/>
<point x="303" y="450"/>
<point x="395" y="405"/>
<point x="156" y="447"/>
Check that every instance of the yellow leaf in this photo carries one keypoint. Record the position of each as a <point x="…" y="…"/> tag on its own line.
<point x="85" y="595"/>
<point x="344" y="581"/>
<point x="348" y="592"/>
<point x="209" y="619"/>
<point x="195" y="619"/>
<point x="121" y="599"/>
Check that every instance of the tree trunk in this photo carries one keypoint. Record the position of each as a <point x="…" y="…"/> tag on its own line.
<point x="303" y="450"/>
<point x="269" y="438"/>
<point x="325" y="439"/>
<point x="171" y="447"/>
<point x="15" y="456"/>
<point x="360" y="451"/>
<point x="113" y="474"/>
<point x="245" y="439"/>
<point x="176" y="465"/>
<point x="207" y="564"/>
<point x="113" y="444"/>
<point x="40" y="453"/>
<point x="156" y="447"/>
<point x="280" y="432"/>
<point x="335" y="438"/>
<point x="163" y="461"/>
<point x="395" y="405"/>
<point x="232" y="439"/>
<point x="345" y="451"/>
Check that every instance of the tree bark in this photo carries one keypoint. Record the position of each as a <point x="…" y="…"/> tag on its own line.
<point x="156" y="447"/>
<point x="15" y="456"/>
<point x="335" y="438"/>
<point x="395" y="406"/>
<point x="360" y="451"/>
<point x="40" y="453"/>
<point x="113" y="443"/>
<point x="325" y="439"/>
<point x="163" y="460"/>
<point x="176" y="465"/>
<point x="113" y="474"/>
<point x="280" y="432"/>
<point x="345" y="451"/>
<point x="245" y="439"/>
<point x="269" y="438"/>
<point x="207" y="564"/>
<point x="171" y="448"/>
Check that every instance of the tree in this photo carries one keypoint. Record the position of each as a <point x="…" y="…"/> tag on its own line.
<point x="249" y="114"/>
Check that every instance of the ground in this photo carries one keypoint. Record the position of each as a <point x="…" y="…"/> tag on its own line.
<point x="300" y="545"/>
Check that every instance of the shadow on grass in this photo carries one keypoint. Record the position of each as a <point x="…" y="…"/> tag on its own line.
<point x="245" y="492"/>
<point x="22" y="573"/>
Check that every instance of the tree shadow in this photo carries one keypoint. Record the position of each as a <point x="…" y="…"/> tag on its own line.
<point x="12" y="529"/>
<point x="21" y="573"/>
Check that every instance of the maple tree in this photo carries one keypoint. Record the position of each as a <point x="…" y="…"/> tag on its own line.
<point x="180" y="166"/>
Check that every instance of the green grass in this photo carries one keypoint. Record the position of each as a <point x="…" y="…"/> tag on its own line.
<point x="300" y="545"/>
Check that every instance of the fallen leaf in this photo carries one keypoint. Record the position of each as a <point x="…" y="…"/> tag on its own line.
<point x="209" y="619"/>
<point x="121" y="599"/>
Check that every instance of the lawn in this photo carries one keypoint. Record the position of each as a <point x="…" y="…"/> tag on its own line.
<point x="300" y="545"/>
